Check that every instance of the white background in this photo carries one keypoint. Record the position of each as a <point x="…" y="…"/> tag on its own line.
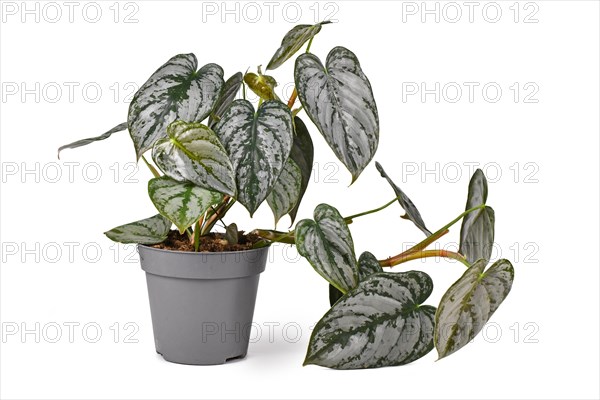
<point x="541" y="159"/>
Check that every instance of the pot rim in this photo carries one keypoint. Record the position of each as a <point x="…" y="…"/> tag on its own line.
<point x="151" y="248"/>
<point x="205" y="265"/>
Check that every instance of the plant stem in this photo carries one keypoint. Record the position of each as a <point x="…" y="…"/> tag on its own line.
<point x="276" y="236"/>
<point x="417" y="251"/>
<point x="151" y="167"/>
<point x="244" y="90"/>
<point x="219" y="213"/>
<point x="415" y="255"/>
<point x="426" y="242"/>
<point x="455" y="220"/>
<point x="288" y="237"/>
<point x="197" y="235"/>
<point x="350" y="218"/>
<point x="309" y="44"/>
<point x="292" y="99"/>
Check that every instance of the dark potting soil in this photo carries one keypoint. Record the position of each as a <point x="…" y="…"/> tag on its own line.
<point x="213" y="242"/>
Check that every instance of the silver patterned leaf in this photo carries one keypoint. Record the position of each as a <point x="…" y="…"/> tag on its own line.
<point x="367" y="266"/>
<point x="302" y="154"/>
<point x="469" y="304"/>
<point x="192" y="152"/>
<point x="286" y="192"/>
<point x="327" y="244"/>
<point x="228" y="94"/>
<point x="85" y="142"/>
<point x="181" y="202"/>
<point x="258" y="144"/>
<point x="380" y="323"/>
<point x="146" y="231"/>
<point x="293" y="41"/>
<point x="339" y="100"/>
<point x="412" y="213"/>
<point x="477" y="230"/>
<point x="176" y="91"/>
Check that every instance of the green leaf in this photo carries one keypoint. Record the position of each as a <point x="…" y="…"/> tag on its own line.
<point x="470" y="303"/>
<point x="339" y="100"/>
<point x="232" y="234"/>
<point x="176" y="91"/>
<point x="334" y="295"/>
<point x="262" y="85"/>
<point x="228" y="94"/>
<point x="302" y="154"/>
<point x="258" y="145"/>
<point x="477" y="230"/>
<point x="293" y="41"/>
<point x="327" y="244"/>
<point x="192" y="152"/>
<point x="380" y="323"/>
<point x="183" y="203"/>
<point x="367" y="266"/>
<point x="411" y="210"/>
<point x="151" y="230"/>
<point x="286" y="192"/>
<point x="85" y="142"/>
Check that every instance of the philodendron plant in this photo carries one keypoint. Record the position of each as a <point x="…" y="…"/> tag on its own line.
<point x="380" y="318"/>
<point x="212" y="149"/>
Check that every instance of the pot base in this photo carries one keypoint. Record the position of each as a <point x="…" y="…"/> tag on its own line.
<point x="240" y="357"/>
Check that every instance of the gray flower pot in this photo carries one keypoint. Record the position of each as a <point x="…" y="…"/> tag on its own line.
<point x="202" y="303"/>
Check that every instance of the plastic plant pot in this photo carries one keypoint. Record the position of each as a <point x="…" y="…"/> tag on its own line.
<point x="202" y="304"/>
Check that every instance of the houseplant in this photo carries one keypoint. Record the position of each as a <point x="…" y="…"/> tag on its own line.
<point x="212" y="150"/>
<point x="201" y="302"/>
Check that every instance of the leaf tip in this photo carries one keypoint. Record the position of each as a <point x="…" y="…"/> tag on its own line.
<point x="354" y="178"/>
<point x="308" y="360"/>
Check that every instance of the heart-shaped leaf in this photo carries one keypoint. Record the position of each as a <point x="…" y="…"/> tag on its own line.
<point x="302" y="154"/>
<point x="327" y="244"/>
<point x="193" y="152"/>
<point x="146" y="231"/>
<point x="380" y="323"/>
<point x="411" y="210"/>
<point x="293" y="41"/>
<point x="176" y="91"/>
<point x="262" y="85"/>
<point x="258" y="145"/>
<point x="367" y="266"/>
<point x="85" y="142"/>
<point x="181" y="202"/>
<point x="286" y="192"/>
<point x="339" y="100"/>
<point x="470" y="303"/>
<point x="232" y="234"/>
<point x="228" y="94"/>
<point x="477" y="230"/>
